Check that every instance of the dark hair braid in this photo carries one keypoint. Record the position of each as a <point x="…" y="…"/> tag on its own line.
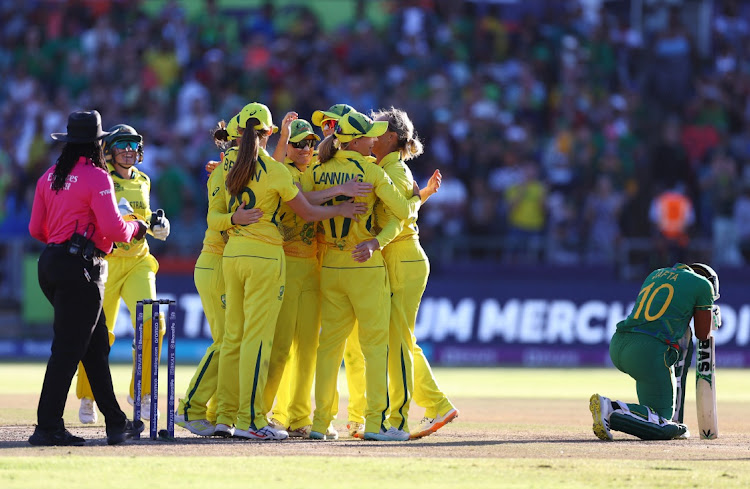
<point x="70" y="155"/>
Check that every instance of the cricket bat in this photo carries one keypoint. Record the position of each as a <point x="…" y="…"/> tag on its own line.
<point x="705" y="389"/>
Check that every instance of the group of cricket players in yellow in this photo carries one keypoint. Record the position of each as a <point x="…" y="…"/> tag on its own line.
<point x="311" y="257"/>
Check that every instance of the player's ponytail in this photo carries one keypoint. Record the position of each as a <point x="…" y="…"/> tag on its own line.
<point x="239" y="175"/>
<point x="326" y="149"/>
<point x="412" y="148"/>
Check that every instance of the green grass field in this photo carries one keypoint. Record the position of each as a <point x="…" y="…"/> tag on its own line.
<point x="517" y="428"/>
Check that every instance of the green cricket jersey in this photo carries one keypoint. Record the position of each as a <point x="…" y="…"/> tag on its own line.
<point x="666" y="303"/>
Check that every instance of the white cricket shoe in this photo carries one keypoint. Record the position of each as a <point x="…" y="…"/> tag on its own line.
<point x="331" y="433"/>
<point x="200" y="427"/>
<point x="223" y="430"/>
<point x="356" y="430"/>
<point x="301" y="432"/>
<point x="265" y="433"/>
<point x="276" y="424"/>
<point x="391" y="434"/>
<point x="429" y="426"/>
<point x="87" y="412"/>
<point x="601" y="408"/>
<point x="145" y="407"/>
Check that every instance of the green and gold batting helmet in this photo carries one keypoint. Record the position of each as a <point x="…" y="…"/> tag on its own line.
<point x="122" y="133"/>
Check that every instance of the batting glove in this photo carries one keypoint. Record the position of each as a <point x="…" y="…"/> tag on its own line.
<point x="716" y="316"/>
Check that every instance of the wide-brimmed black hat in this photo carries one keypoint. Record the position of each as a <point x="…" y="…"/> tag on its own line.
<point x="83" y="127"/>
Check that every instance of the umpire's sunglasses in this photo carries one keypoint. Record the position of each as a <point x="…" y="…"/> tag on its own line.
<point x="125" y="145"/>
<point x="305" y="143"/>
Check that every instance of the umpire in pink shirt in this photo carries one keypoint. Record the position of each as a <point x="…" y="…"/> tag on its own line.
<point x="76" y="216"/>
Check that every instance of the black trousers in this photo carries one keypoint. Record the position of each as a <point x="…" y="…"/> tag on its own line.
<point x="75" y="288"/>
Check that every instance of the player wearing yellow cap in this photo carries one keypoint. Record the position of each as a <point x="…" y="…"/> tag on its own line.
<point x="193" y="412"/>
<point x="132" y="268"/>
<point x="298" y="324"/>
<point x="345" y="156"/>
<point x="354" y="362"/>
<point x="254" y="276"/>
<point x="408" y="269"/>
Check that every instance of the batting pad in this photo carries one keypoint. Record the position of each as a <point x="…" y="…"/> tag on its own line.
<point x="644" y="423"/>
<point x="680" y="371"/>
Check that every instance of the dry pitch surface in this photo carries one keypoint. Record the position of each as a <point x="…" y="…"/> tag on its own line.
<point x="486" y="428"/>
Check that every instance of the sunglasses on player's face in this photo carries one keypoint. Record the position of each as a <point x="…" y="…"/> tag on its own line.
<point x="125" y="145"/>
<point x="329" y="124"/>
<point x="305" y="143"/>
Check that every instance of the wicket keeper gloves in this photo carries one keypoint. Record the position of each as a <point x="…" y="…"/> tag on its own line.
<point x="160" y="225"/>
<point x="716" y="317"/>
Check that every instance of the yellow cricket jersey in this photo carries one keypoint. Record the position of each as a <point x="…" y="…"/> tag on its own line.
<point x="298" y="234"/>
<point x="214" y="240"/>
<point x="219" y="218"/>
<point x="387" y="226"/>
<point x="267" y="188"/>
<point x="344" y="233"/>
<point x="136" y="191"/>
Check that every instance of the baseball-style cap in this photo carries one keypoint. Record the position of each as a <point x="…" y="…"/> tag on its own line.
<point x="254" y="110"/>
<point x="355" y="125"/>
<point x="335" y="112"/>
<point x="301" y="129"/>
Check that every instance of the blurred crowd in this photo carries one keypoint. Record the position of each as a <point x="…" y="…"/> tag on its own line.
<point x="560" y="128"/>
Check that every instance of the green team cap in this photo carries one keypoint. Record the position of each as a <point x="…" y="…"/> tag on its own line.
<point x="253" y="110"/>
<point x="335" y="112"/>
<point x="301" y="129"/>
<point x="355" y="125"/>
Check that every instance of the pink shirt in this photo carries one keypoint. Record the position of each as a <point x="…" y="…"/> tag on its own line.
<point x="85" y="204"/>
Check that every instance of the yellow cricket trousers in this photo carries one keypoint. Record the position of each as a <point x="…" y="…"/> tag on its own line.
<point x="354" y="367"/>
<point x="427" y="394"/>
<point x="408" y="269"/>
<point x="209" y="282"/>
<point x="133" y="279"/>
<point x="295" y="344"/>
<point x="254" y="277"/>
<point x="350" y="292"/>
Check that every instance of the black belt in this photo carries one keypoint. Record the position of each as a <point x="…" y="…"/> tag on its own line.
<point x="66" y="244"/>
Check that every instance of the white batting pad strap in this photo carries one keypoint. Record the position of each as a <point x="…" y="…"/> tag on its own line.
<point x="623" y="407"/>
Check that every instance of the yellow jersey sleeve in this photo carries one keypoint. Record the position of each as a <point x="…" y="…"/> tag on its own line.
<point x="403" y="179"/>
<point x="213" y="240"/>
<point x="136" y="191"/>
<point x="402" y="207"/>
<point x="219" y="218"/>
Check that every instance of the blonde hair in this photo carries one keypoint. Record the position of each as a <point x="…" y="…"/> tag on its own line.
<point x="408" y="144"/>
<point x="328" y="147"/>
